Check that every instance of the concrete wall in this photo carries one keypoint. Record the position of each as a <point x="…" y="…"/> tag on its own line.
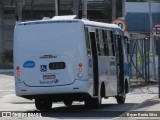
<point x="7" y="23"/>
<point x="8" y="28"/>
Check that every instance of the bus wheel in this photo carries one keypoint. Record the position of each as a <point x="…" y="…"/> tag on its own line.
<point x="88" y="103"/>
<point x="42" y="104"/>
<point x="68" y="102"/>
<point x="121" y="98"/>
<point x="93" y="103"/>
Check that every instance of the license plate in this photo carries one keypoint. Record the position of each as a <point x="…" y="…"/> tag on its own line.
<point x="49" y="77"/>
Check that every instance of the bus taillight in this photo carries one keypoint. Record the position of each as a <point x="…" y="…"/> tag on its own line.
<point x="18" y="72"/>
<point x="80" y="69"/>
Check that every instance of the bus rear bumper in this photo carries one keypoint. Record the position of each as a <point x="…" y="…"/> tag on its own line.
<point x="79" y="86"/>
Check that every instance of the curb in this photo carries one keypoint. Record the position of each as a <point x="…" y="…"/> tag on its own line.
<point x="6" y="70"/>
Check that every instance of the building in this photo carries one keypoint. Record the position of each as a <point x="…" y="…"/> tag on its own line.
<point x="137" y="17"/>
<point x="37" y="9"/>
<point x="140" y="17"/>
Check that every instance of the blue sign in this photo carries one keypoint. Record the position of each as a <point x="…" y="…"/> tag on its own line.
<point x="29" y="64"/>
<point x="43" y="68"/>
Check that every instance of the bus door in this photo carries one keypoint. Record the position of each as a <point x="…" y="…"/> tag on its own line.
<point x="119" y="63"/>
<point x="95" y="63"/>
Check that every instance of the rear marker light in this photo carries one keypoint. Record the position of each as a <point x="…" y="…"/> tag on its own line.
<point x="80" y="65"/>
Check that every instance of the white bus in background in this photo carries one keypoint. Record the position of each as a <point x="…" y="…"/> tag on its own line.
<point x="69" y="60"/>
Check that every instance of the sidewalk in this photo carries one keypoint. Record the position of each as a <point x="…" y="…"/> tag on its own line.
<point x="149" y="105"/>
<point x="149" y="109"/>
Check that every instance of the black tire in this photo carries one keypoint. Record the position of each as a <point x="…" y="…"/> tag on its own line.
<point x="88" y="103"/>
<point x="93" y="103"/>
<point x="121" y="98"/>
<point x="68" y="103"/>
<point x="42" y="104"/>
<point x="97" y="102"/>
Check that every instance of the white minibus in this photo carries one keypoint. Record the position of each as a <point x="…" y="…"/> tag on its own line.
<point x="70" y="60"/>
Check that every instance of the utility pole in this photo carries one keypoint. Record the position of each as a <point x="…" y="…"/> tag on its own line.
<point x="152" y="43"/>
<point x="56" y="7"/>
<point x="84" y="8"/>
<point x="123" y="8"/>
<point x="75" y="7"/>
<point x="158" y="47"/>
<point x="113" y="9"/>
<point x="19" y="10"/>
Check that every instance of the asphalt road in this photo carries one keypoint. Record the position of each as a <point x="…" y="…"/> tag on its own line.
<point x="109" y="109"/>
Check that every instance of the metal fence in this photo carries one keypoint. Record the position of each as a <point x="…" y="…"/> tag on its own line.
<point x="142" y="59"/>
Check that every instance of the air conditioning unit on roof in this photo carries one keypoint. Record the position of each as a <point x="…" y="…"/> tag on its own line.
<point x="68" y="17"/>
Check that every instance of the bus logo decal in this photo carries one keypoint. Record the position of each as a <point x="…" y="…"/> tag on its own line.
<point x="29" y="64"/>
<point x="49" y="82"/>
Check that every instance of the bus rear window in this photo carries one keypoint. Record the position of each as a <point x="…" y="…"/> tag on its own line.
<point x="57" y="65"/>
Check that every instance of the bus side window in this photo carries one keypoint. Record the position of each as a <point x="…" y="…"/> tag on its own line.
<point x="100" y="43"/>
<point x="110" y="43"/>
<point x="105" y="40"/>
<point x="87" y="42"/>
<point x="97" y="41"/>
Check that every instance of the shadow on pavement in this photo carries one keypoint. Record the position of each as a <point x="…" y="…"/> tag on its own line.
<point x="79" y="111"/>
<point x="148" y="104"/>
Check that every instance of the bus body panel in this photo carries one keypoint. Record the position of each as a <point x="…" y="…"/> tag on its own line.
<point x="107" y="74"/>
